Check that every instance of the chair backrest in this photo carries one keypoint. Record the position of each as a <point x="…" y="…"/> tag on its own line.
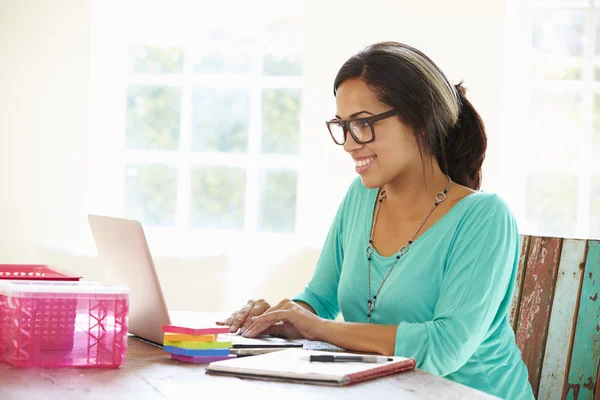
<point x="555" y="314"/>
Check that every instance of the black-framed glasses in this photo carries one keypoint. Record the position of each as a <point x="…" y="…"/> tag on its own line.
<point x="361" y="129"/>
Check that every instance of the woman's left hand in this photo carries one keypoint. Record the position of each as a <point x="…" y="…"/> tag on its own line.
<point x="287" y="319"/>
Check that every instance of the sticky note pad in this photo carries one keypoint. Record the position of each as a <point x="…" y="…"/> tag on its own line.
<point x="196" y="331"/>
<point x="198" y="345"/>
<point x="200" y="359"/>
<point x="182" y="337"/>
<point x="197" y="353"/>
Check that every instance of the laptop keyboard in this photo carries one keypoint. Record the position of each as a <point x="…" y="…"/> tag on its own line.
<point x="318" y="345"/>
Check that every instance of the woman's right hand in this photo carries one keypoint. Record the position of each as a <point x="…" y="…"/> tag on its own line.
<point x="242" y="318"/>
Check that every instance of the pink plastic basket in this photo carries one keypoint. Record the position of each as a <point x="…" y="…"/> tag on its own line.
<point x="61" y="324"/>
<point x="53" y="319"/>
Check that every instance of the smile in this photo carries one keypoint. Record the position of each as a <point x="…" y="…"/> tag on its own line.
<point x="364" y="164"/>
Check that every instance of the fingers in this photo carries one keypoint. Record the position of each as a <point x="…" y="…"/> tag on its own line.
<point x="242" y="318"/>
<point x="238" y="318"/>
<point x="227" y="322"/>
<point x="275" y="330"/>
<point x="259" y="308"/>
<point x="282" y="303"/>
<point x="262" y="322"/>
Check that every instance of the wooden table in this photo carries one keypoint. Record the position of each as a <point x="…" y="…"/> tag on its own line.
<point x="150" y="374"/>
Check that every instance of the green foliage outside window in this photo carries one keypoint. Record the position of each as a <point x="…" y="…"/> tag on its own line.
<point x="153" y="114"/>
<point x="277" y="212"/>
<point x="281" y="121"/>
<point x="155" y="60"/>
<point x="220" y="120"/>
<point x="151" y="193"/>
<point x="218" y="197"/>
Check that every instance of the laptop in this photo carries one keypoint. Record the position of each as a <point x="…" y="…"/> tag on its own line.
<point x="126" y="259"/>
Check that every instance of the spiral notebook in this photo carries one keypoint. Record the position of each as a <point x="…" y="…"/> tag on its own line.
<point x="293" y="366"/>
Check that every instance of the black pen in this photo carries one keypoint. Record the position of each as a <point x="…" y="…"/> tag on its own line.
<point x="342" y="358"/>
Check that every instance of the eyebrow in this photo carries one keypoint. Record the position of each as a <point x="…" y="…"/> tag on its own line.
<point x="356" y="114"/>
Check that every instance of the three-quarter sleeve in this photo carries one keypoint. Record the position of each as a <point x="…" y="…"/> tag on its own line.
<point x="475" y="292"/>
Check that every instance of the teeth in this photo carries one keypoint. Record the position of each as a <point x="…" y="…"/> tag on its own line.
<point x="362" y="163"/>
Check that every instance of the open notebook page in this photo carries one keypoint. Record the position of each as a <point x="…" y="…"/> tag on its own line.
<point x="294" y="363"/>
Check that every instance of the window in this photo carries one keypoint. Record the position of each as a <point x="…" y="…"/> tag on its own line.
<point x="207" y="120"/>
<point x="552" y="123"/>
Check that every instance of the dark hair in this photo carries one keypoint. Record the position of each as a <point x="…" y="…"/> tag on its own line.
<point x="445" y="123"/>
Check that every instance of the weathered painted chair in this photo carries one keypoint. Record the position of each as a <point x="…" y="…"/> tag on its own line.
<point x="556" y="316"/>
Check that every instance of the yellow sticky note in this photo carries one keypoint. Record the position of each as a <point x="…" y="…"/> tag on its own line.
<point x="198" y="345"/>
<point x="181" y="337"/>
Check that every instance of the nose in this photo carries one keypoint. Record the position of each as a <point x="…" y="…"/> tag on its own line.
<point x="351" y="144"/>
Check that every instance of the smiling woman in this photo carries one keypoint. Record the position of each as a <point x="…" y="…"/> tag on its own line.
<point x="418" y="261"/>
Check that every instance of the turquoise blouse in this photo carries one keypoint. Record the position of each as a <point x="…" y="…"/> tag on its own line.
<point x="449" y="295"/>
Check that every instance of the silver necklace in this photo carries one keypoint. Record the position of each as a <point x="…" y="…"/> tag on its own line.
<point x="439" y="197"/>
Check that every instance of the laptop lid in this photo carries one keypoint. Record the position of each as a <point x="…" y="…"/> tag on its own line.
<point x="126" y="259"/>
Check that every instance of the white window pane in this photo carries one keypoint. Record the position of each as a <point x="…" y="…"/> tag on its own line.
<point x="281" y="121"/>
<point x="559" y="40"/>
<point x="555" y="126"/>
<point x="597" y="53"/>
<point x="285" y="34"/>
<point x="220" y="120"/>
<point x="218" y="196"/>
<point x="598" y="31"/>
<point x="215" y="62"/>
<point x="151" y="193"/>
<point x="595" y="208"/>
<point x="155" y="60"/>
<point x="551" y="204"/>
<point x="285" y="44"/>
<point x="282" y="65"/>
<point x="224" y="51"/>
<point x="277" y="211"/>
<point x="153" y="114"/>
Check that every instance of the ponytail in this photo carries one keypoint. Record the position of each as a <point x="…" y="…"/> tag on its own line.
<point x="463" y="151"/>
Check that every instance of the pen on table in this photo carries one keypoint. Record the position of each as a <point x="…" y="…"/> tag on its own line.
<point x="341" y="358"/>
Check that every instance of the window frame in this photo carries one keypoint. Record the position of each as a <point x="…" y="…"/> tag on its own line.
<point x="107" y="135"/>
<point x="519" y="87"/>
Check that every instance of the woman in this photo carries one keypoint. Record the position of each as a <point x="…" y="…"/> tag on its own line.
<point x="419" y="262"/>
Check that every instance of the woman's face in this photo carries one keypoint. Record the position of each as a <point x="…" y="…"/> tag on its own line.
<point x="394" y="150"/>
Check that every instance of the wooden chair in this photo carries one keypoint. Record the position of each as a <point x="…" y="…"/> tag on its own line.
<point x="555" y="314"/>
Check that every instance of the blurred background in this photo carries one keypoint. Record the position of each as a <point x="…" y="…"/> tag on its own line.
<point x="205" y="120"/>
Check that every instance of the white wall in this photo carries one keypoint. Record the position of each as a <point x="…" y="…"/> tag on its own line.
<point x="44" y="68"/>
<point x="44" y="60"/>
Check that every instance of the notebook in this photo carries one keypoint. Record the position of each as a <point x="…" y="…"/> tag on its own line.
<point x="292" y="365"/>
